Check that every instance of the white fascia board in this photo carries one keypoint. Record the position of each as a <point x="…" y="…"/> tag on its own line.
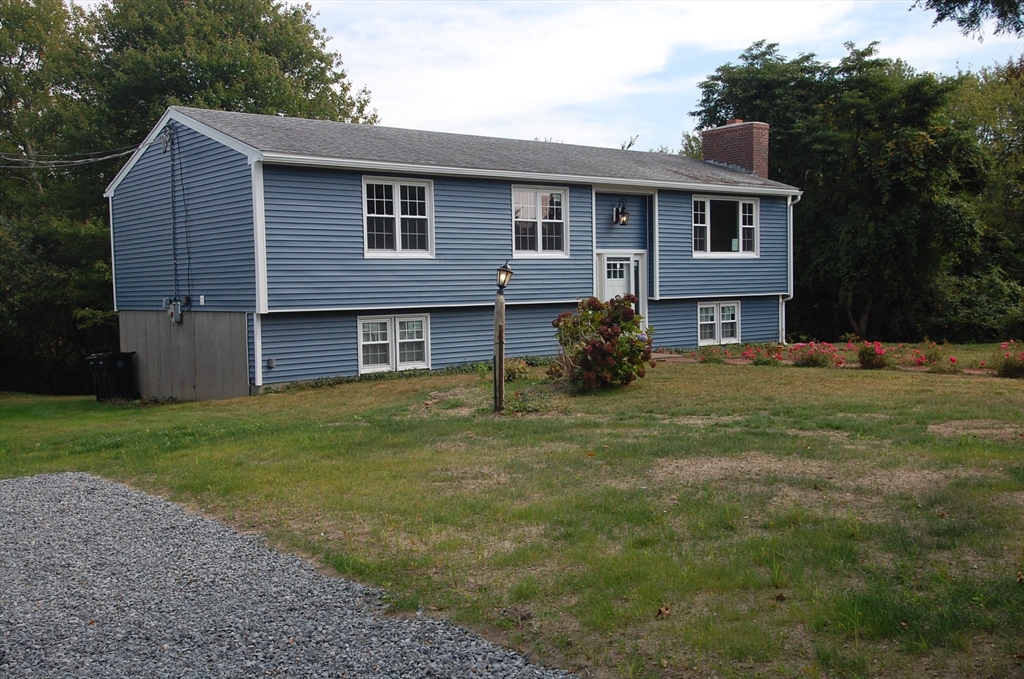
<point x="596" y="273"/>
<point x="426" y="307"/>
<point x="259" y="226"/>
<point x="530" y="177"/>
<point x="727" y="296"/>
<point x="113" y="264"/>
<point x="251" y="153"/>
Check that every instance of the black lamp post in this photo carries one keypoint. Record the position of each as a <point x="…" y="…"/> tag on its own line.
<point x="503" y="278"/>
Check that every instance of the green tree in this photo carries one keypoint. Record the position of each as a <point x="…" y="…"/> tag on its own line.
<point x="77" y="90"/>
<point x="969" y="15"/>
<point x="887" y="181"/>
<point x="254" y="56"/>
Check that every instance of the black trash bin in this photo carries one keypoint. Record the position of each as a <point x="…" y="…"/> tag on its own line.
<point x="112" y="375"/>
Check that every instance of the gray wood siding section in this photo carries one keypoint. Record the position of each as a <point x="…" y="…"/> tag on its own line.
<point x="315" y="254"/>
<point x="675" y="321"/>
<point x="683" y="275"/>
<point x="202" y="358"/>
<point x="306" y="346"/>
<point x="250" y="342"/>
<point x="632" y="236"/>
<point x="215" y="228"/>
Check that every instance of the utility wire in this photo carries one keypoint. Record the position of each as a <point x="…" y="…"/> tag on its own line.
<point x="24" y="163"/>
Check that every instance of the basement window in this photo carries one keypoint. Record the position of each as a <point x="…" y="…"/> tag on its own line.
<point x="393" y="343"/>
<point x="718" y="323"/>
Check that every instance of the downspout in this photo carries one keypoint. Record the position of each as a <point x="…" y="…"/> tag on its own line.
<point x="790" y="202"/>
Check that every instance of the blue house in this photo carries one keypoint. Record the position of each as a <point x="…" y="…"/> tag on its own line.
<point x="253" y="250"/>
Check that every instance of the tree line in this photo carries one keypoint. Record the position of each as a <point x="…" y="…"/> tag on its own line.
<point x="79" y="90"/>
<point x="911" y="224"/>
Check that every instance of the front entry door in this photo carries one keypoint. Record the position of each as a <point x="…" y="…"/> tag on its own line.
<point x="618" y="276"/>
<point x="623" y="273"/>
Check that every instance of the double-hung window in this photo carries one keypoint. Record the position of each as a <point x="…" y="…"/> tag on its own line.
<point x="718" y="323"/>
<point x="393" y="343"/>
<point x="398" y="217"/>
<point x="539" y="224"/>
<point x="725" y="226"/>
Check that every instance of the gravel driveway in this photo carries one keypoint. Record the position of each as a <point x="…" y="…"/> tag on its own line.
<point x="99" y="580"/>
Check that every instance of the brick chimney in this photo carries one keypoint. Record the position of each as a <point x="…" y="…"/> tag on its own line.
<point x="738" y="144"/>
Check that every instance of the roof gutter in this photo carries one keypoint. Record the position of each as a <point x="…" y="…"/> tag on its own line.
<point x="790" y="202"/>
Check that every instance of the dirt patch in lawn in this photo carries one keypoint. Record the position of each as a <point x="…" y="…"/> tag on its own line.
<point x="988" y="429"/>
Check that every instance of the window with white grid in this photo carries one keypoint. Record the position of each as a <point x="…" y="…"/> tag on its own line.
<point x="393" y="343"/>
<point x="398" y="217"/>
<point x="539" y="224"/>
<point x="725" y="227"/>
<point x="718" y="323"/>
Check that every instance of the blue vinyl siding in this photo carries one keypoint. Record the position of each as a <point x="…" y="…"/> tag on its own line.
<point x="315" y="257"/>
<point x="683" y="275"/>
<point x="215" y="228"/>
<point x="675" y="321"/>
<point x="306" y="346"/>
<point x="633" y="236"/>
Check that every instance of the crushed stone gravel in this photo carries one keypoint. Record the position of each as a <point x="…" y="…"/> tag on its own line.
<point x="100" y="580"/>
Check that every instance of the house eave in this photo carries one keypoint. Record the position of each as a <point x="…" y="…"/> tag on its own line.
<point x="278" y="158"/>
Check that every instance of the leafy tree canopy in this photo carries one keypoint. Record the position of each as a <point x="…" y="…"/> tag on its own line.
<point x="969" y="15"/>
<point x="80" y="88"/>
<point x="888" y="181"/>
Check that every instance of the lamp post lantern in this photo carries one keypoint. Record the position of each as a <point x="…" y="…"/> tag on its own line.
<point x="503" y="278"/>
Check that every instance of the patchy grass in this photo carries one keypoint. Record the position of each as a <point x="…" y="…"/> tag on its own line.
<point x="830" y="523"/>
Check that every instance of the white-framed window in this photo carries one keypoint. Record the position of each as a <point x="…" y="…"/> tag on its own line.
<point x="725" y="227"/>
<point x="718" y="323"/>
<point x="393" y="343"/>
<point x="398" y="217"/>
<point x="540" y="225"/>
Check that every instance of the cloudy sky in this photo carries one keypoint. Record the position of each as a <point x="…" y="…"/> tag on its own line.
<point x="598" y="73"/>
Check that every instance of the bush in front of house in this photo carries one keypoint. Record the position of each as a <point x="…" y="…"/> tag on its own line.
<point x="602" y="343"/>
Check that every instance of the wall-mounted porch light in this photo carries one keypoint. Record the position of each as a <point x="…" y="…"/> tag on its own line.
<point x="620" y="215"/>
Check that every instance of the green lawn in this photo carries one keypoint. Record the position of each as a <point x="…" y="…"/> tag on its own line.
<point x="792" y="522"/>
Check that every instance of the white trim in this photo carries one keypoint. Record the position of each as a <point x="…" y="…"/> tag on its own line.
<point x="593" y="241"/>
<point x="742" y="295"/>
<point x="655" y="246"/>
<point x="259" y="227"/>
<point x="398" y="252"/>
<point x="257" y="349"/>
<point x="790" y="202"/>
<point x="113" y="266"/>
<point x="467" y="305"/>
<point x="393" y="343"/>
<point x="540" y="253"/>
<point x="531" y="177"/>
<point x="628" y="190"/>
<point x="252" y="154"/>
<point x="739" y="254"/>
<point x="718" y="340"/>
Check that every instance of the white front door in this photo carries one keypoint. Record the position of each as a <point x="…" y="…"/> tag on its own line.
<point x="623" y="273"/>
<point x="618" y="276"/>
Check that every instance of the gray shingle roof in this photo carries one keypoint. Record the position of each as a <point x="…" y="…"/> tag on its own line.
<point x="377" y="144"/>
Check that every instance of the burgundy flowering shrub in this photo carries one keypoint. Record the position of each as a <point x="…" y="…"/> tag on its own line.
<point x="712" y="355"/>
<point x="602" y="343"/>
